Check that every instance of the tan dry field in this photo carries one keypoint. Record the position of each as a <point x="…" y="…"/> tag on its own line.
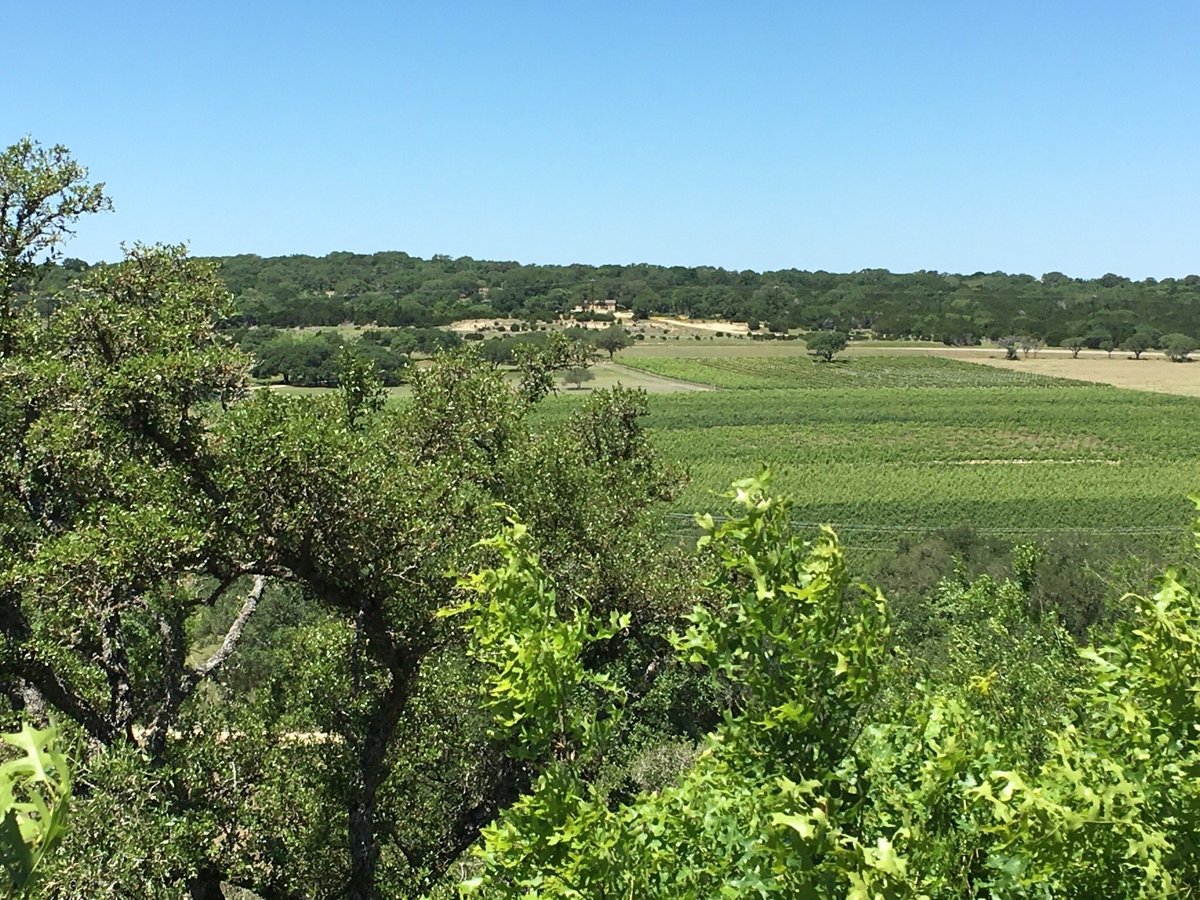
<point x="1154" y="372"/>
<point x="703" y="326"/>
<point x="464" y="326"/>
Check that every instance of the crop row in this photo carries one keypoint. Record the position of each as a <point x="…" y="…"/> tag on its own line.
<point x="857" y="372"/>
<point x="912" y="444"/>
<point x="934" y="426"/>
<point x="1136" y="495"/>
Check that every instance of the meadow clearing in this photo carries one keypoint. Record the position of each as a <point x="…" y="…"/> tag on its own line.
<point x="889" y="444"/>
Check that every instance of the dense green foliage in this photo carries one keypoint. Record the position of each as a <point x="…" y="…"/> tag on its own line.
<point x="395" y="289"/>
<point x="229" y="597"/>
<point x="152" y="501"/>
<point x="1010" y="767"/>
<point x="801" y="651"/>
<point x="43" y="191"/>
<point x="316" y="358"/>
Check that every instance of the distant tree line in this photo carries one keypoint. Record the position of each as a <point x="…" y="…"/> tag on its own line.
<point x="394" y="289"/>
<point x="316" y="359"/>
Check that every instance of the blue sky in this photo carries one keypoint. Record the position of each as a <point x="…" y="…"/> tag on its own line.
<point x="957" y="136"/>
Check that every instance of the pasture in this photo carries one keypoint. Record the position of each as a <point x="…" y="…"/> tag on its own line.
<point x="1153" y="372"/>
<point x="885" y="446"/>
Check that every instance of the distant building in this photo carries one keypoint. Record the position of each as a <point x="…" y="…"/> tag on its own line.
<point x="607" y="305"/>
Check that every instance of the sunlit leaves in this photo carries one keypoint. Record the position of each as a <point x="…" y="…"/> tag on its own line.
<point x="799" y="647"/>
<point x="1014" y="769"/>
<point x="35" y="790"/>
<point x="534" y="655"/>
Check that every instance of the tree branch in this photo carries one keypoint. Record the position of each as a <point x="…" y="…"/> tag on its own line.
<point x="62" y="695"/>
<point x="115" y="663"/>
<point x="156" y="734"/>
<point x="232" y="636"/>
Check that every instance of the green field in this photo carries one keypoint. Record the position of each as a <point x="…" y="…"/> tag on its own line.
<point x="795" y="371"/>
<point x="883" y="446"/>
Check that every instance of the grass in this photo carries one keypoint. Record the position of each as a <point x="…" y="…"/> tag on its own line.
<point x="607" y="374"/>
<point x="883" y="446"/>
<point x="889" y="443"/>
<point x="715" y="347"/>
<point x="803" y="373"/>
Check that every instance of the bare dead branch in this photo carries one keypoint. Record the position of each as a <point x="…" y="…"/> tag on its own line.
<point x="229" y="644"/>
<point x="188" y="679"/>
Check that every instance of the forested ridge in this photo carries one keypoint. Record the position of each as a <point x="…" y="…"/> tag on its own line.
<point x="332" y="645"/>
<point x="395" y="289"/>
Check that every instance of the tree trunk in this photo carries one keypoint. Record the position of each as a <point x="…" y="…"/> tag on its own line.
<point x="364" y="844"/>
<point x="402" y="662"/>
<point x="372" y="770"/>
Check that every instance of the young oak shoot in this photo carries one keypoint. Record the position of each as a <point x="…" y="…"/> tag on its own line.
<point x="35" y="789"/>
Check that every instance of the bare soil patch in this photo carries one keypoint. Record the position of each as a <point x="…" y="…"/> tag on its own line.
<point x="703" y="325"/>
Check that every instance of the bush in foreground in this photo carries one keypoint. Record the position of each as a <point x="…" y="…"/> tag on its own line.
<point x="840" y="769"/>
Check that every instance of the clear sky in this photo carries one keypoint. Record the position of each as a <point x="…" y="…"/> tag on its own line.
<point x="839" y="135"/>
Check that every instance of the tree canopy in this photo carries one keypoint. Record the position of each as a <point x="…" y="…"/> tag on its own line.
<point x="844" y="769"/>
<point x="43" y="191"/>
<point x="394" y="289"/>
<point x="612" y="339"/>
<point x="229" y="597"/>
<point x="1178" y="347"/>
<point x="826" y="344"/>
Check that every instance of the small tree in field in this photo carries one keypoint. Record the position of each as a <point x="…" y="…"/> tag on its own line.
<point x="1009" y="343"/>
<point x="1138" y="343"/>
<point x="1178" y="346"/>
<point x="577" y="376"/>
<point x="825" y="344"/>
<point x="1074" y="344"/>
<point x="612" y="339"/>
